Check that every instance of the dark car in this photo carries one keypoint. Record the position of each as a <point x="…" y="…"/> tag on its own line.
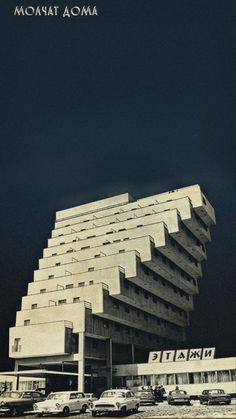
<point x="215" y="396"/>
<point x="146" y="397"/>
<point x="16" y="402"/>
<point x="178" y="397"/>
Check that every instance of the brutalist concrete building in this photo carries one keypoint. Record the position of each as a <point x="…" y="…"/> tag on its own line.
<point x="116" y="281"/>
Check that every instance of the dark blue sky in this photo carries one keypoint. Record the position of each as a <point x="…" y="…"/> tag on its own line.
<point x="139" y="99"/>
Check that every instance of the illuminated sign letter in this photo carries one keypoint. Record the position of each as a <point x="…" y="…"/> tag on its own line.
<point x="154" y="356"/>
<point x="208" y="353"/>
<point x="181" y="355"/>
<point x="195" y="354"/>
<point x="168" y="356"/>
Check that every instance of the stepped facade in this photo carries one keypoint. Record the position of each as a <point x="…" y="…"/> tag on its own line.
<point x="116" y="281"/>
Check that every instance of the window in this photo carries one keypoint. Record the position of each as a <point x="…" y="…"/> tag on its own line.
<point x="34" y="306"/>
<point x="140" y="225"/>
<point x="59" y="235"/>
<point x="54" y="254"/>
<point x="81" y="284"/>
<point x="17" y="346"/>
<point x="62" y="243"/>
<point x="121" y="250"/>
<point x="69" y="286"/>
<point x="90" y="269"/>
<point x="26" y="322"/>
<point x="117" y="328"/>
<point x="62" y="301"/>
<point x="122" y="229"/>
<point x="97" y="256"/>
<point x="69" y="251"/>
<point x="106" y="325"/>
<point x="91" y="237"/>
<point x="117" y="240"/>
<point x="223" y="376"/>
<point x="76" y="299"/>
<point x="116" y="304"/>
<point x="50" y="276"/>
<point x="85" y="247"/>
<point x="127" y="310"/>
<point x="126" y="238"/>
<point x="91" y="282"/>
<point x="57" y="264"/>
<point x="42" y="290"/>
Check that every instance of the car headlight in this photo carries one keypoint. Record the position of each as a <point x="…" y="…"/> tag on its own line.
<point x="58" y="405"/>
<point x="118" y="404"/>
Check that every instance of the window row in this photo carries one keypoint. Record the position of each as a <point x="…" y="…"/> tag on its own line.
<point x="181" y="378"/>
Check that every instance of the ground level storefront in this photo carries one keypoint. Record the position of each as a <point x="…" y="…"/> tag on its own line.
<point x="192" y="375"/>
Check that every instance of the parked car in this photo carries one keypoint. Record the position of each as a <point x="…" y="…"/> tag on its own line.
<point x="178" y="396"/>
<point x="215" y="396"/>
<point x="115" y="400"/>
<point x="17" y="402"/>
<point x="91" y="397"/>
<point x="146" y="397"/>
<point x="62" y="402"/>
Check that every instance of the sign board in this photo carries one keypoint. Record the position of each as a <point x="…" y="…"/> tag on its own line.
<point x="179" y="355"/>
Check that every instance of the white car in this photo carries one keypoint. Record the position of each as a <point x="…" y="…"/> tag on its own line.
<point x="115" y="400"/>
<point x="62" y="402"/>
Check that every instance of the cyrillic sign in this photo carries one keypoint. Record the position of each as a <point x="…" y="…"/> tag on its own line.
<point x="180" y="355"/>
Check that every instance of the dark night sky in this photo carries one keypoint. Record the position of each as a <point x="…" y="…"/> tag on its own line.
<point x="138" y="99"/>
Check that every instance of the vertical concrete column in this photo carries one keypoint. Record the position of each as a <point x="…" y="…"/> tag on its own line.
<point x="16" y="384"/>
<point x="81" y="361"/>
<point x="109" y="362"/>
<point x="132" y="353"/>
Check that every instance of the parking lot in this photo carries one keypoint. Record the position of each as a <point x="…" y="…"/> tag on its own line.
<point x="163" y="410"/>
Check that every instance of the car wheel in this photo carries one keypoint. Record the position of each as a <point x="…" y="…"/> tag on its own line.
<point x="84" y="408"/>
<point x="94" y="413"/>
<point x="14" y="412"/>
<point x="39" y="415"/>
<point x="136" y="408"/>
<point x="123" y="411"/>
<point x="66" y="411"/>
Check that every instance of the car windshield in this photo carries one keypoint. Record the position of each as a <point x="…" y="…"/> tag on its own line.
<point x="11" y="394"/>
<point x="216" y="391"/>
<point x="113" y="394"/>
<point x="57" y="396"/>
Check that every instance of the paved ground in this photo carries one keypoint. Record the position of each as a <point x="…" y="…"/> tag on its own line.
<point x="163" y="410"/>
